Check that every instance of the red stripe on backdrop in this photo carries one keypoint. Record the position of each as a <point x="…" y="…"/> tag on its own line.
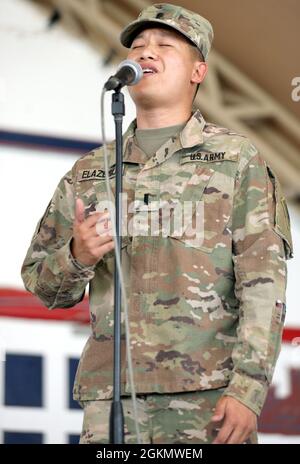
<point x="291" y="335"/>
<point x="22" y="304"/>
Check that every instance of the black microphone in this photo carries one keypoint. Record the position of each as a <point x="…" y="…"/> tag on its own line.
<point x="129" y="72"/>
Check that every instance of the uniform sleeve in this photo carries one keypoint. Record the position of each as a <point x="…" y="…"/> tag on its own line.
<point x="49" y="269"/>
<point x="261" y="244"/>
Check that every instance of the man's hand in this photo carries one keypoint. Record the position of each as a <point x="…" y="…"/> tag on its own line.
<point x="89" y="243"/>
<point x="238" y="421"/>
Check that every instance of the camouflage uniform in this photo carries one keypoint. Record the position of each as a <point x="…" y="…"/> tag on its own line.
<point x="205" y="315"/>
<point x="169" y="418"/>
<point x="201" y="317"/>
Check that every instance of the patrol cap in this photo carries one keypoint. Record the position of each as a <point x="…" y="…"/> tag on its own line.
<point x="193" y="26"/>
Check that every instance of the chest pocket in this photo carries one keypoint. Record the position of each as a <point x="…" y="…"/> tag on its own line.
<point x="206" y="202"/>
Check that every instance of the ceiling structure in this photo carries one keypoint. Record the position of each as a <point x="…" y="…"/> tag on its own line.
<point x="248" y="86"/>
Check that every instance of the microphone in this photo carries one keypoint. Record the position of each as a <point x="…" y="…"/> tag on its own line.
<point x="129" y="72"/>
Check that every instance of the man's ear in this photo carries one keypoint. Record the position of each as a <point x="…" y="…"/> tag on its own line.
<point x="199" y="72"/>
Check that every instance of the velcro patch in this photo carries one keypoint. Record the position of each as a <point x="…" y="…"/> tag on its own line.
<point x="209" y="157"/>
<point x="97" y="174"/>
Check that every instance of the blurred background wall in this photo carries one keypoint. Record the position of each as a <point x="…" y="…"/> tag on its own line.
<point x="54" y="59"/>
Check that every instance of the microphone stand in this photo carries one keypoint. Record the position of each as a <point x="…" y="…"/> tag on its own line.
<point x="116" y="418"/>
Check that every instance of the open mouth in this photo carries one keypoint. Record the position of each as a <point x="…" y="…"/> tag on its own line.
<point x="149" y="71"/>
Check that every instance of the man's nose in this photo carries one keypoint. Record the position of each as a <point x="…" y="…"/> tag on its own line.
<point x="148" y="52"/>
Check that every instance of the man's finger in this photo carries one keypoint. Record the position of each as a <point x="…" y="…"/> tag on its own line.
<point x="79" y="210"/>
<point x="98" y="241"/>
<point x="224" y="433"/>
<point x="104" y="227"/>
<point x="93" y="218"/>
<point x="220" y="410"/>
<point x="105" y="247"/>
<point x="92" y="233"/>
<point x="238" y="436"/>
<point x="97" y="217"/>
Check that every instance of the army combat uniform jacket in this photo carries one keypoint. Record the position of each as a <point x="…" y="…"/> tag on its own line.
<point x="203" y="314"/>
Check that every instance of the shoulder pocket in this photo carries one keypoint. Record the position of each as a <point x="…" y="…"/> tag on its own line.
<point x="282" y="218"/>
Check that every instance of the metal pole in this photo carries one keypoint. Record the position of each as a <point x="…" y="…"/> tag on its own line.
<point x="116" y="419"/>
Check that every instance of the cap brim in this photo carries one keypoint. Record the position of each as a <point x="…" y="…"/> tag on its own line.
<point x="129" y="33"/>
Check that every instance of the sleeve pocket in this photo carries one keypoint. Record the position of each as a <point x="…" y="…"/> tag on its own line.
<point x="282" y="219"/>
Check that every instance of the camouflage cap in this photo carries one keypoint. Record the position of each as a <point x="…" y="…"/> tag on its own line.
<point x="193" y="26"/>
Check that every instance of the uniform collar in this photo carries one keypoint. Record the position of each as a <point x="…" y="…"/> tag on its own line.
<point x="191" y="135"/>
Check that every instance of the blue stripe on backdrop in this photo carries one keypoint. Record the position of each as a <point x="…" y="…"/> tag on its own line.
<point x="72" y="368"/>
<point x="47" y="142"/>
<point x="23" y="380"/>
<point x="73" y="439"/>
<point x="23" y="438"/>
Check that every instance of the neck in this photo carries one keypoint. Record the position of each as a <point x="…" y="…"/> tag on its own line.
<point x="157" y="117"/>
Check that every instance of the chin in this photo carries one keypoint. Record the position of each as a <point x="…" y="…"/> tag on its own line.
<point x="146" y="97"/>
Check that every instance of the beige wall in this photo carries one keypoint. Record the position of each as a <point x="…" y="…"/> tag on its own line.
<point x="261" y="37"/>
